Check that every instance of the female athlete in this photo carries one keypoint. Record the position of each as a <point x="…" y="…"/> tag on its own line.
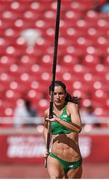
<point x="64" y="159"/>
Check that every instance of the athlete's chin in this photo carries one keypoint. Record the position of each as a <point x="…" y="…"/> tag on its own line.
<point x="57" y="103"/>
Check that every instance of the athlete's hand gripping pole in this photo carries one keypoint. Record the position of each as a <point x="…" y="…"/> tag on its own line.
<point x="53" y="74"/>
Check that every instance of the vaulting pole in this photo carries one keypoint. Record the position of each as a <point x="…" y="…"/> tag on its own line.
<point x="53" y="72"/>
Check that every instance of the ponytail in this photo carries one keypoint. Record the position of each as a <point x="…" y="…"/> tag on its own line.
<point x="70" y="98"/>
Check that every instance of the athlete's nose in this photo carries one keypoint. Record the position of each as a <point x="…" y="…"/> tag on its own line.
<point x="57" y="95"/>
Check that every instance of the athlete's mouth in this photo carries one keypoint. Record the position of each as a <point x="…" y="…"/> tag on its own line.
<point x="58" y="101"/>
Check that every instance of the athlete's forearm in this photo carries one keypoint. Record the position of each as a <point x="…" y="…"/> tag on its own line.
<point x="45" y="132"/>
<point x="71" y="126"/>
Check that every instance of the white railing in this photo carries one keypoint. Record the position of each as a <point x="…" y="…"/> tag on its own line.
<point x="35" y="126"/>
<point x="21" y="120"/>
<point x="40" y="120"/>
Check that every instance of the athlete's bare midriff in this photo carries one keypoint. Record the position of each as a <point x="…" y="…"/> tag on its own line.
<point x="66" y="146"/>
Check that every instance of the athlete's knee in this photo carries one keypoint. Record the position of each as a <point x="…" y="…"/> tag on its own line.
<point x="55" y="177"/>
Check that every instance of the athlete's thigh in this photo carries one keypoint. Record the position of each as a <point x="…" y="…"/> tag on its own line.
<point x="55" y="170"/>
<point x="74" y="173"/>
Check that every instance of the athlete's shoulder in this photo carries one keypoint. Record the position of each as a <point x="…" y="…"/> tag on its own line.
<point x="71" y="105"/>
<point x="46" y="113"/>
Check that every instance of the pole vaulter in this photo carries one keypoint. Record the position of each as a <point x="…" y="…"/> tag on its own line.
<point x="53" y="73"/>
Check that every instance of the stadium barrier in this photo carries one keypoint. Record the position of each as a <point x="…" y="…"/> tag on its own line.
<point x="26" y="144"/>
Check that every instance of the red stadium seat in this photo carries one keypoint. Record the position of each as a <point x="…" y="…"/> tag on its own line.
<point x="90" y="61"/>
<point x="83" y="41"/>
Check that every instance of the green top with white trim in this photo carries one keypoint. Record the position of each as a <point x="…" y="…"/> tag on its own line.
<point x="57" y="128"/>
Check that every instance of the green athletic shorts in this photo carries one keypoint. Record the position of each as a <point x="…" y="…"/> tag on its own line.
<point x="67" y="165"/>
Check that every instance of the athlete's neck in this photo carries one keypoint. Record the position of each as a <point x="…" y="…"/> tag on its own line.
<point x="59" y="108"/>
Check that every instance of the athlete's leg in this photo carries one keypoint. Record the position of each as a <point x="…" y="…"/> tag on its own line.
<point x="55" y="170"/>
<point x="74" y="173"/>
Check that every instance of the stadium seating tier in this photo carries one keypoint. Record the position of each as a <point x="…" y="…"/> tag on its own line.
<point x="82" y="52"/>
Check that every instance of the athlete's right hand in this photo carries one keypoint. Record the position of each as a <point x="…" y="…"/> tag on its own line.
<point x="46" y="154"/>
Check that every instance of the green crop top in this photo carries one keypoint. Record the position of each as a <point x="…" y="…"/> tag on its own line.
<point x="57" y="128"/>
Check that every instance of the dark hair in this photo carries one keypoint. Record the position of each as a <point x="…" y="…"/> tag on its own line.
<point x="68" y="98"/>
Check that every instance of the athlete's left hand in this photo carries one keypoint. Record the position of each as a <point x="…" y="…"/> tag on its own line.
<point x="51" y="119"/>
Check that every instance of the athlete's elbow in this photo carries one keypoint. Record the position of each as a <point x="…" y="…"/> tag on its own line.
<point x="80" y="129"/>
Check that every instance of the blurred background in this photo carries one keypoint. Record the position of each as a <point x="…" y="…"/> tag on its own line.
<point x="27" y="30"/>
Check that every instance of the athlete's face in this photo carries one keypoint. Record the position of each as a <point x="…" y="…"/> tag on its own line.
<point x="59" y="96"/>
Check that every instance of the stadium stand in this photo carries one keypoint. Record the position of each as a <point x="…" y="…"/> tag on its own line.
<point x="82" y="54"/>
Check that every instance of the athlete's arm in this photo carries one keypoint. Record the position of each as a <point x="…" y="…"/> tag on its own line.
<point x="75" y="116"/>
<point x="45" y="131"/>
<point x="75" y="124"/>
<point x="72" y="126"/>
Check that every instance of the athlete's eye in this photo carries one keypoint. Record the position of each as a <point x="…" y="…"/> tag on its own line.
<point x="61" y="93"/>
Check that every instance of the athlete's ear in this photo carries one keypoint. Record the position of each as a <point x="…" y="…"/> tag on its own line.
<point x="65" y="95"/>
